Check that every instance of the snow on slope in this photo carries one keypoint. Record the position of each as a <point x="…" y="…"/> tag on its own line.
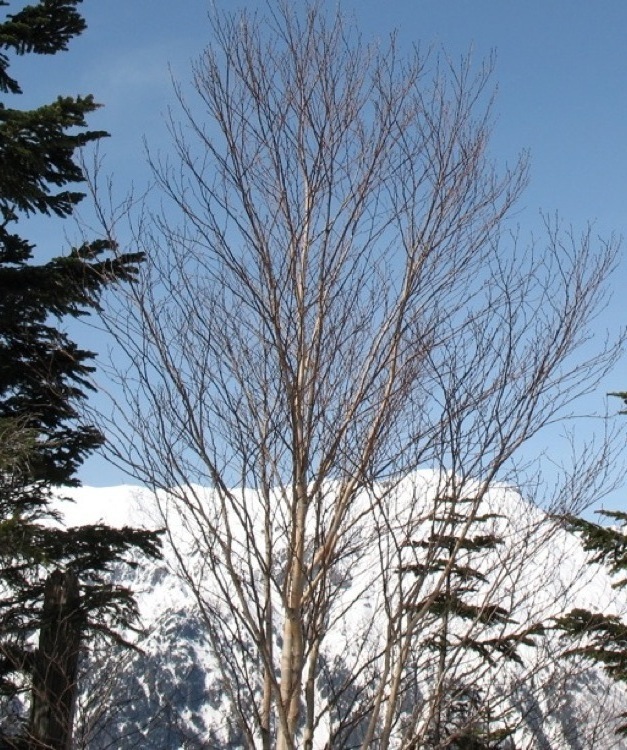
<point x="171" y="695"/>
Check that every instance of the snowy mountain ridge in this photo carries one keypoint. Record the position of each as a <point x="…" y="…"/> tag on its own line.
<point x="172" y="694"/>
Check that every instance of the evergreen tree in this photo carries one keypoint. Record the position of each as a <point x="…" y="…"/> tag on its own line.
<point x="44" y="375"/>
<point x="457" y="549"/>
<point x="600" y="637"/>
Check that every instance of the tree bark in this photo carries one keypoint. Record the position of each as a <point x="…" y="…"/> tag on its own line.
<point x="56" y="663"/>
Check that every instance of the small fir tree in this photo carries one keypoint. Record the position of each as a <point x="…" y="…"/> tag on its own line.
<point x="44" y="375"/>
<point x="599" y="637"/>
<point x="458" y="550"/>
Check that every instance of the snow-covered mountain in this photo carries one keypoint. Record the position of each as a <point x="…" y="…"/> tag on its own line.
<point x="175" y="692"/>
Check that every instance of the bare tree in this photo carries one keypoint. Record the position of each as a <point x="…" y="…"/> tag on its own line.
<point x="331" y="301"/>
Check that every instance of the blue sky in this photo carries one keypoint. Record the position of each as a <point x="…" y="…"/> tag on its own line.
<point x="561" y="72"/>
<point x="561" y="75"/>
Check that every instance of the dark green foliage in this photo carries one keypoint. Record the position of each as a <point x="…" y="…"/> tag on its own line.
<point x="465" y="725"/>
<point x="605" y="639"/>
<point x="608" y="544"/>
<point x="460" y="556"/>
<point x="44" y="28"/>
<point x="455" y="549"/>
<point x="602" y="639"/>
<point x="44" y="375"/>
<point x="623" y="396"/>
<point x="597" y="636"/>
